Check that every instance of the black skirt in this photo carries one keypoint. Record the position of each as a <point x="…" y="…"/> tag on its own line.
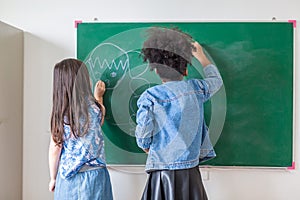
<point x="183" y="184"/>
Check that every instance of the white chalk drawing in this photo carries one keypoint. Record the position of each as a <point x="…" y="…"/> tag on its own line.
<point x="135" y="77"/>
<point x="110" y="65"/>
<point x="108" y="62"/>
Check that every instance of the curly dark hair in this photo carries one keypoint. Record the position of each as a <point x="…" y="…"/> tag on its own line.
<point x="169" y="51"/>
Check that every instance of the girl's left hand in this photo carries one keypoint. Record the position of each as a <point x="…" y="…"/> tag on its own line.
<point x="52" y="185"/>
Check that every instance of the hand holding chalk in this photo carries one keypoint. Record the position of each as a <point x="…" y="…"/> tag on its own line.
<point x="200" y="55"/>
<point x="99" y="91"/>
<point x="98" y="94"/>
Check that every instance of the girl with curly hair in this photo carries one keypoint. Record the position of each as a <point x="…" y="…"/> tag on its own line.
<point x="170" y="117"/>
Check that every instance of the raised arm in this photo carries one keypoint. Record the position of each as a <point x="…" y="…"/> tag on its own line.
<point x="200" y="55"/>
<point x="212" y="78"/>
<point x="98" y="94"/>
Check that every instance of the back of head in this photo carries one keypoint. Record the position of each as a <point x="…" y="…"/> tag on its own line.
<point x="71" y="90"/>
<point x="169" y="51"/>
<point x="70" y="78"/>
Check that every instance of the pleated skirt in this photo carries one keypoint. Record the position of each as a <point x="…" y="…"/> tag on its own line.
<point x="175" y="185"/>
<point x="87" y="185"/>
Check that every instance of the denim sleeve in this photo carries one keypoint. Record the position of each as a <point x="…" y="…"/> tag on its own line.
<point x="212" y="79"/>
<point x="144" y="120"/>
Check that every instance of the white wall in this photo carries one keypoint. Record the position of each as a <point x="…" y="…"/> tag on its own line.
<point x="11" y="115"/>
<point x="51" y="37"/>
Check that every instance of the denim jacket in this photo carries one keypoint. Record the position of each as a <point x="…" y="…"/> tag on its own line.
<point x="170" y="122"/>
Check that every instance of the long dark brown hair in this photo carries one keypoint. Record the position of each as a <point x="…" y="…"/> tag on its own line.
<point x="71" y="94"/>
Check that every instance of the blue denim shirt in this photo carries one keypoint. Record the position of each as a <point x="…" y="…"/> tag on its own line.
<point x="170" y="122"/>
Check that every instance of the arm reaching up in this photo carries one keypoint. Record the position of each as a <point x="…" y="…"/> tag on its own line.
<point x="200" y="55"/>
<point x="98" y="94"/>
<point x="212" y="75"/>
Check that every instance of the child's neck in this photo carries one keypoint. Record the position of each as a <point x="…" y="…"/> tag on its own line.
<point x="165" y="80"/>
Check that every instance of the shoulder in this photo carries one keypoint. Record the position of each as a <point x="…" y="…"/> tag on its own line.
<point x="93" y="107"/>
<point x="197" y="84"/>
<point x="145" y="98"/>
<point x="94" y="111"/>
<point x="155" y="92"/>
<point x="151" y="95"/>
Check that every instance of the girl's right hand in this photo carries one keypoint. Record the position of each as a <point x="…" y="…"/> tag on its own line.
<point x="200" y="55"/>
<point x="99" y="90"/>
<point x="98" y="94"/>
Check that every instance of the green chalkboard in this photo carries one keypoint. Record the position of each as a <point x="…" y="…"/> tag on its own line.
<point x="250" y="118"/>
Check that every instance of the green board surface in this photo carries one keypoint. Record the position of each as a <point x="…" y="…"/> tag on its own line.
<point x="250" y="118"/>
